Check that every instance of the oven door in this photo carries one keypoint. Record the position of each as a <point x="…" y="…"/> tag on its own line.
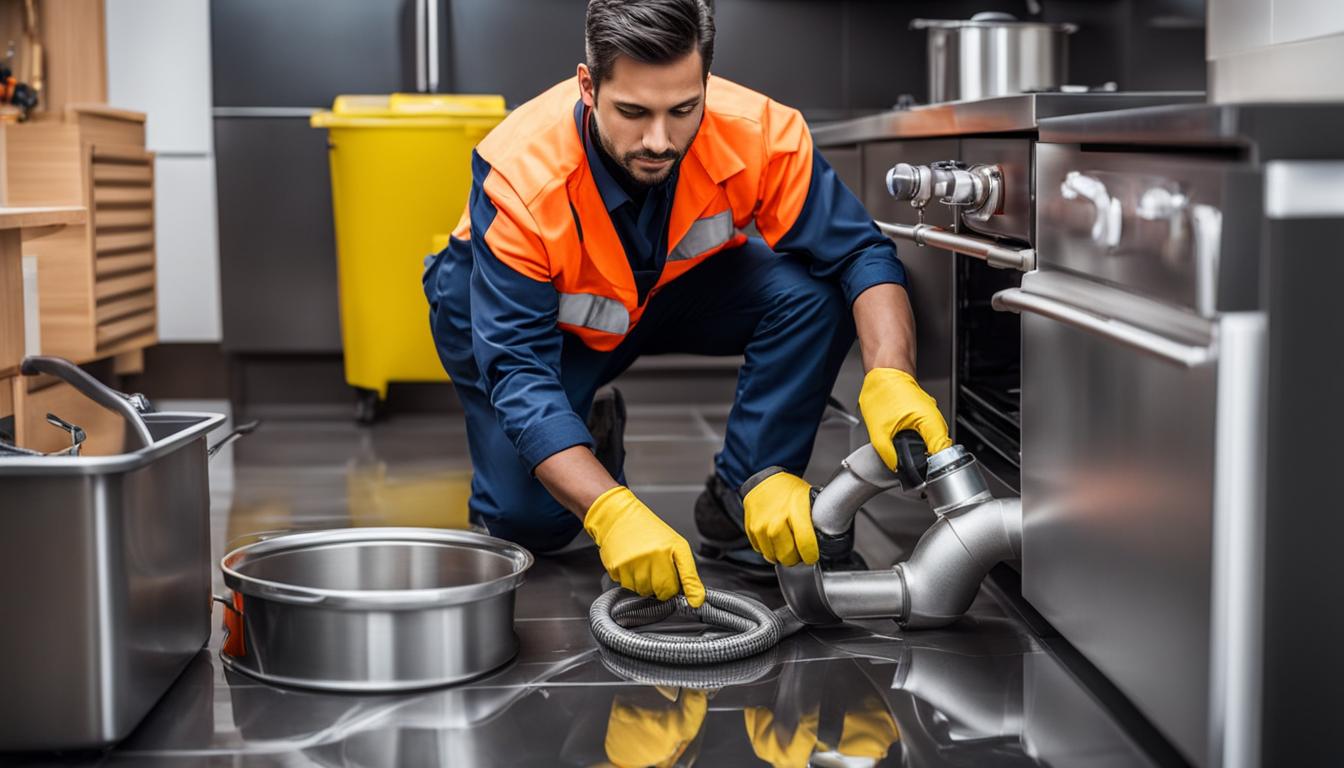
<point x="1140" y="426"/>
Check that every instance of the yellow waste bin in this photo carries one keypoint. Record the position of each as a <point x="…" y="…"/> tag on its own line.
<point x="400" y="176"/>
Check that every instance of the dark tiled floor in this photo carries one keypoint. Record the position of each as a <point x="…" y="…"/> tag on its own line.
<point x="983" y="692"/>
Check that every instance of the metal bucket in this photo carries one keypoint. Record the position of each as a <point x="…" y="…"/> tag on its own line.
<point x="372" y="609"/>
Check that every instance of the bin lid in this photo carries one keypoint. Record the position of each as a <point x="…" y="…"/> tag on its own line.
<point x="399" y="108"/>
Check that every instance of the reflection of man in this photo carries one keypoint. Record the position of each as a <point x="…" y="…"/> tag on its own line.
<point x="824" y="713"/>
<point x="605" y="222"/>
<point x="654" y="726"/>
<point x="867" y="732"/>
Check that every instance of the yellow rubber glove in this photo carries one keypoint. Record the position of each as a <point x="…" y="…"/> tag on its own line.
<point x="640" y="551"/>
<point x="640" y="735"/>
<point x="869" y="732"/>
<point x="781" y="750"/>
<point x="778" y="519"/>
<point x="891" y="401"/>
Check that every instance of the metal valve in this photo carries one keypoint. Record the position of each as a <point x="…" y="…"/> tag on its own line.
<point x="976" y="189"/>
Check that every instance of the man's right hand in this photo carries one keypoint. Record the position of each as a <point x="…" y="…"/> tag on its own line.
<point x="640" y="551"/>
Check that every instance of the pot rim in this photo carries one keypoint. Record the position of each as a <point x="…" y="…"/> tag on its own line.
<point x="374" y="599"/>
<point x="1067" y="28"/>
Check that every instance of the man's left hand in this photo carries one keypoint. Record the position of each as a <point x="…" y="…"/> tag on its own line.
<point x="892" y="401"/>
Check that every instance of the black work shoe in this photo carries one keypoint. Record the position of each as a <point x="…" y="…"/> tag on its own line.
<point x="606" y="423"/>
<point x="718" y="520"/>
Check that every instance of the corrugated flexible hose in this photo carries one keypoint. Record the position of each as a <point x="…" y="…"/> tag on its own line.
<point x="745" y="627"/>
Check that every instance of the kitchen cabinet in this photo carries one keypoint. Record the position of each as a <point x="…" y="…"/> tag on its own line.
<point x="96" y="281"/>
<point x="274" y="64"/>
<point x="187" y="248"/>
<point x="141" y="35"/>
<point x="277" y="241"/>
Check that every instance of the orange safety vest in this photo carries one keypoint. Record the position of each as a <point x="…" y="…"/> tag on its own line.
<point x="750" y="161"/>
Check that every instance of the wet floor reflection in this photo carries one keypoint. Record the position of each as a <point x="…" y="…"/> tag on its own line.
<point x="982" y="692"/>
<point x="828" y="697"/>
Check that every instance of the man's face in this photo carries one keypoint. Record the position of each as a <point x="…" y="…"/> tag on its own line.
<point x="647" y="114"/>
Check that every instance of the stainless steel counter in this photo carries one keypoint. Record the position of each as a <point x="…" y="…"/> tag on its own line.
<point x="1264" y="132"/>
<point x="1005" y="114"/>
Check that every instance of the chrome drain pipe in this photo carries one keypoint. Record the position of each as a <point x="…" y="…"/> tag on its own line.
<point x="974" y="532"/>
<point x="944" y="572"/>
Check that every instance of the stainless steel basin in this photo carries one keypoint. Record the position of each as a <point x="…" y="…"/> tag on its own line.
<point x="374" y="609"/>
<point x="105" y="580"/>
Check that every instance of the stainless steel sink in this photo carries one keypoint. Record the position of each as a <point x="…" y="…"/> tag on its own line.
<point x="105" y="584"/>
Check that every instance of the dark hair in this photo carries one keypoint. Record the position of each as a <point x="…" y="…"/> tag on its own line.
<point x="648" y="31"/>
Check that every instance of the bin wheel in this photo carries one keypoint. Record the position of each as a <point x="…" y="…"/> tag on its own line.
<point x="368" y="408"/>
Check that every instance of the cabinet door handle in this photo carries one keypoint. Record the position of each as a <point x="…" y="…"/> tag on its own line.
<point x="1107" y="217"/>
<point x="421" y="60"/>
<point x="1186" y="355"/>
<point x="432" y="45"/>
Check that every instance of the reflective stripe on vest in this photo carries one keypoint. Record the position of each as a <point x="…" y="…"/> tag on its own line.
<point x="704" y="234"/>
<point x="599" y="313"/>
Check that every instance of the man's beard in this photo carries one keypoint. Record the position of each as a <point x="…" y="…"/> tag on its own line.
<point x="627" y="161"/>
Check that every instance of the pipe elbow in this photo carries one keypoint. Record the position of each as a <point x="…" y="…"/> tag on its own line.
<point x="953" y="557"/>
<point x="862" y="476"/>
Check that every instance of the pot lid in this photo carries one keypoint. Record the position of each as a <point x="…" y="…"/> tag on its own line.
<point x="989" y="20"/>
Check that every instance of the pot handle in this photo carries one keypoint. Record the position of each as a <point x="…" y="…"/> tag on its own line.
<point x="233" y="625"/>
<point x="238" y="431"/>
<point x="91" y="388"/>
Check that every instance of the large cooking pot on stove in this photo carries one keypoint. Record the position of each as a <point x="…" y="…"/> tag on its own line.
<point x="994" y="54"/>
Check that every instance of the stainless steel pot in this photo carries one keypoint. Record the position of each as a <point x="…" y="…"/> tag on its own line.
<point x="373" y="609"/>
<point x="993" y="54"/>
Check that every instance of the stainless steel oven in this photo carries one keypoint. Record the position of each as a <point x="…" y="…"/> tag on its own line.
<point x="1143" y="372"/>
<point x="968" y="354"/>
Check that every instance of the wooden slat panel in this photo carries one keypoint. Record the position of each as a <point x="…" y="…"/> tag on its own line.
<point x="124" y="327"/>
<point x="129" y="344"/>
<point x="123" y="306"/>
<point x="116" y="286"/>
<point x="123" y="262"/>
<point x="124" y="241"/>
<point x="103" y="195"/>
<point x="113" y="153"/>
<point x="104" y="218"/>
<point x="121" y="173"/>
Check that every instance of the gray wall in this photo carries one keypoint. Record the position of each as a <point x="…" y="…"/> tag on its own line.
<point x="830" y="58"/>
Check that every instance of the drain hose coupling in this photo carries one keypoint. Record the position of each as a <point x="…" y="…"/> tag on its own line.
<point x="744" y="627"/>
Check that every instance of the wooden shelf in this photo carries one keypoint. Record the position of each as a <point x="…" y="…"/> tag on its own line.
<point x="41" y="216"/>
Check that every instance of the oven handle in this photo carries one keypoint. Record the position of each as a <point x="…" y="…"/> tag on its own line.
<point x="1189" y="356"/>
<point x="996" y="255"/>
